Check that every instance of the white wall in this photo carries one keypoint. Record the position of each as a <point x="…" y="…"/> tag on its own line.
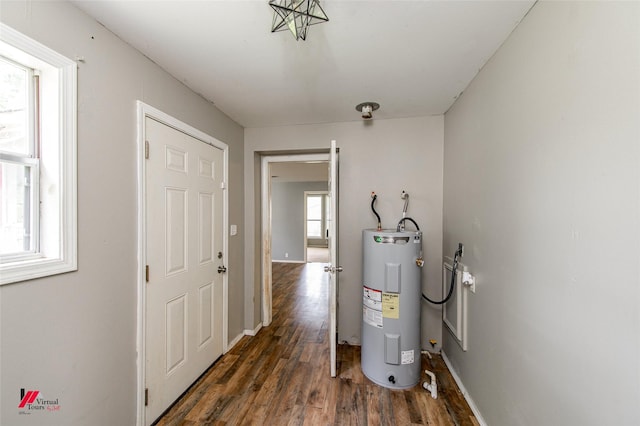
<point x="542" y="185"/>
<point x="73" y="336"/>
<point x="385" y="156"/>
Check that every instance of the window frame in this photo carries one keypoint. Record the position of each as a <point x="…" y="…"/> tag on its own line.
<point x="320" y="220"/>
<point x="57" y="213"/>
<point x="324" y="219"/>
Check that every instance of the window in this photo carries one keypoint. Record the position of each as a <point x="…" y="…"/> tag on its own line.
<point x="19" y="166"/>
<point x="317" y="214"/>
<point x="37" y="159"/>
<point x="314" y="216"/>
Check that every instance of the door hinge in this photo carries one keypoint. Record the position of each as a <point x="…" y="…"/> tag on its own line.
<point x="146" y="397"/>
<point x="146" y="150"/>
<point x="146" y="273"/>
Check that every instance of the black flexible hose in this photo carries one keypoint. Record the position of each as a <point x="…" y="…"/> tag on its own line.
<point x="410" y="220"/>
<point x="454" y="270"/>
<point x="374" y="197"/>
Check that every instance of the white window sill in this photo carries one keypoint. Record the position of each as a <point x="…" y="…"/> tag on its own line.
<point x="34" y="268"/>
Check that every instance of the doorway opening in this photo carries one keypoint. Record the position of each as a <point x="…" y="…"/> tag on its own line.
<point x="332" y="268"/>
<point x="285" y="178"/>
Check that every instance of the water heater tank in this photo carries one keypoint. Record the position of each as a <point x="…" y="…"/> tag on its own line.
<point x="391" y="307"/>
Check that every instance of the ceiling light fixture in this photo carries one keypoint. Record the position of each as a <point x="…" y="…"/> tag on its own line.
<point x="296" y="16"/>
<point x="367" y="108"/>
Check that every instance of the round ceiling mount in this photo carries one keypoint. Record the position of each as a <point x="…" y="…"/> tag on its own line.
<point x="367" y="108"/>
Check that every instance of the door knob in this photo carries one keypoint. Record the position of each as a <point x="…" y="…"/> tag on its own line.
<point x="221" y="269"/>
<point x="332" y="269"/>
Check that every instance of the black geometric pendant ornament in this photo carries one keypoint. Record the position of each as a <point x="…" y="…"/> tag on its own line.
<point x="296" y="16"/>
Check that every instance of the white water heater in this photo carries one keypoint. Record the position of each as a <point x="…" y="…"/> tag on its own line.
<point x="391" y="300"/>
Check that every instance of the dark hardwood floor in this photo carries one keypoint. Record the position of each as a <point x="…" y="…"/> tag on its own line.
<point x="281" y="375"/>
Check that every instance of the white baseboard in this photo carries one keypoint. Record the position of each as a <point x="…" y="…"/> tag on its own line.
<point x="234" y="341"/>
<point x="254" y="331"/>
<point x="288" y="261"/>
<point x="241" y="335"/>
<point x="465" y="394"/>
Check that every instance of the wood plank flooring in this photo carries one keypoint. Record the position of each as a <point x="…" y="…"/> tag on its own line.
<point x="281" y="375"/>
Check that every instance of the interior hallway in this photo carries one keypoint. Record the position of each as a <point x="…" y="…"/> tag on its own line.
<point x="281" y="376"/>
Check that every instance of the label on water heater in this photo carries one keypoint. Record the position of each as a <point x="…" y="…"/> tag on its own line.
<point x="372" y="307"/>
<point x="372" y="317"/>
<point x="407" y="357"/>
<point x="391" y="305"/>
<point x="372" y="298"/>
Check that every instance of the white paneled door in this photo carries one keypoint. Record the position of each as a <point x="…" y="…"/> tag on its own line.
<point x="184" y="293"/>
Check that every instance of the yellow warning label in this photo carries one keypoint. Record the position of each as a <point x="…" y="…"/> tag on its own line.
<point x="391" y="305"/>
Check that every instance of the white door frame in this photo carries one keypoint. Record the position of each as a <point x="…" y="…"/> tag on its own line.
<point x="333" y="268"/>
<point x="144" y="111"/>
<point x="265" y="204"/>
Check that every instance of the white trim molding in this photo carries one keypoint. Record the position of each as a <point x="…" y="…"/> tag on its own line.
<point x="58" y="252"/>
